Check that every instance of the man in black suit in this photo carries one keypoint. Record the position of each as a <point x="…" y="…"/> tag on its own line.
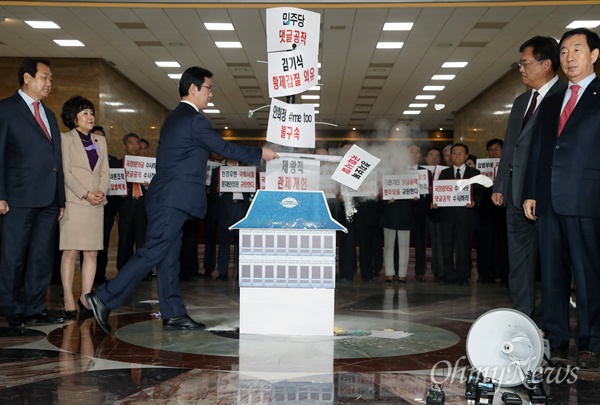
<point x="132" y="214"/>
<point x="538" y="65"/>
<point x="420" y="210"/>
<point x="562" y="191"/>
<point x="457" y="222"/>
<point x="32" y="195"/>
<point x="177" y="193"/>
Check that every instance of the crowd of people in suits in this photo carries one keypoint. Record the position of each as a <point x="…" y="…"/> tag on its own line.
<point x="542" y="213"/>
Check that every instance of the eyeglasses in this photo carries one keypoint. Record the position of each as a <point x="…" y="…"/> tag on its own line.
<point x="523" y="64"/>
<point x="458" y="153"/>
<point x="208" y="87"/>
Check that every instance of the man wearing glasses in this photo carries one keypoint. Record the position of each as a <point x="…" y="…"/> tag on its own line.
<point x="537" y="66"/>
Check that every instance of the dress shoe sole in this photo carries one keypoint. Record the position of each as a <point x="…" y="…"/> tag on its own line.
<point x="182" y="327"/>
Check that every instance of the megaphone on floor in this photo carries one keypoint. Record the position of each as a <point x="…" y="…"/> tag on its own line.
<point x="505" y="345"/>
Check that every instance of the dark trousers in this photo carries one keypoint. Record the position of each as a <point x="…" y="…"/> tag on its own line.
<point x="434" y="229"/>
<point x="523" y="258"/>
<point x="457" y="238"/>
<point x="568" y="244"/>
<point x="161" y="249"/>
<point x="230" y="212"/>
<point x="188" y="258"/>
<point x="132" y="229"/>
<point x="370" y="239"/>
<point x="26" y="258"/>
<point x="211" y="223"/>
<point x="110" y="212"/>
<point x="419" y="235"/>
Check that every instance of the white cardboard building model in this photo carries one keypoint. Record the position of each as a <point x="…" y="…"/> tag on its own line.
<point x="287" y="264"/>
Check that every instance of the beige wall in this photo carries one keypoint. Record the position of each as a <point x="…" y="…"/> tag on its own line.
<point x="101" y="84"/>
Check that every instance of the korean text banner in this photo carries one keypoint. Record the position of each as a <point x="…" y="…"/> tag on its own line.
<point x="291" y="124"/>
<point x="447" y="193"/>
<point x="287" y="26"/>
<point x="487" y="166"/>
<point x="118" y="185"/>
<point x="292" y="72"/>
<point x="354" y="167"/>
<point x="400" y="186"/>
<point x="139" y="169"/>
<point x="287" y="173"/>
<point x="237" y="179"/>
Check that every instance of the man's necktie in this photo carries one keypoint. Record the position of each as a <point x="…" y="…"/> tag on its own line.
<point x="38" y="118"/>
<point x="566" y="113"/>
<point x="530" y="110"/>
<point x="458" y="173"/>
<point x="136" y="189"/>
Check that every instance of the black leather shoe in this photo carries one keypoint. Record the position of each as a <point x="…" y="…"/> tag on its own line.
<point x="17" y="320"/>
<point x="44" y="317"/>
<point x="101" y="311"/>
<point x="183" y="322"/>
<point x="588" y="359"/>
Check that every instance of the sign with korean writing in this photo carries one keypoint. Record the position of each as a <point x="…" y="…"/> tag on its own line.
<point x="263" y="180"/>
<point x="354" y="167"/>
<point x="423" y="180"/>
<point x="139" y="169"/>
<point x="118" y="184"/>
<point x="447" y="193"/>
<point x="210" y="165"/>
<point x="435" y="170"/>
<point x="237" y="179"/>
<point x="293" y="50"/>
<point x="487" y="166"/>
<point x="400" y="186"/>
<point x="287" y="173"/>
<point x="291" y="124"/>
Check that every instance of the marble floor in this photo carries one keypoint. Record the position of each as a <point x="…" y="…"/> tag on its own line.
<point x="393" y="343"/>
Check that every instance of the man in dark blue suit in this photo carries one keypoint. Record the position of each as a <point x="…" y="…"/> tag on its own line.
<point x="562" y="191"/>
<point x="177" y="193"/>
<point x="32" y="195"/>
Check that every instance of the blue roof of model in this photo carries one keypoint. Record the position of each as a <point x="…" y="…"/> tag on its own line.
<point x="289" y="210"/>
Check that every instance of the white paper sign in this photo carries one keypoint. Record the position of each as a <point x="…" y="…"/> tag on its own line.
<point x="237" y="179"/>
<point x="118" y="184"/>
<point x="288" y="173"/>
<point x="400" y="186"/>
<point x="292" y="72"/>
<point x="423" y="181"/>
<point x="263" y="180"/>
<point x="291" y="124"/>
<point x="354" y="167"/>
<point x="287" y="26"/>
<point x="139" y="169"/>
<point x="487" y="166"/>
<point x="447" y="193"/>
<point x="210" y="165"/>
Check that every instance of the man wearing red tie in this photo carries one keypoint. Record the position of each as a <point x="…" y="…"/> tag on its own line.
<point x="562" y="191"/>
<point x="32" y="196"/>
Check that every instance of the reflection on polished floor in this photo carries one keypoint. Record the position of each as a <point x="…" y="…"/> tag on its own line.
<point x="397" y="340"/>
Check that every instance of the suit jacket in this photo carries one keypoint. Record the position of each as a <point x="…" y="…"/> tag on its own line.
<point x="31" y="168"/>
<point x="564" y="172"/>
<point x="517" y="145"/>
<point x="79" y="177"/>
<point x="186" y="139"/>
<point x="449" y="214"/>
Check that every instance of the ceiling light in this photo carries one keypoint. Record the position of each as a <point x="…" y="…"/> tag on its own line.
<point x="406" y="26"/>
<point x="425" y="97"/>
<point x="455" y="64"/>
<point x="584" y="24"/>
<point x="315" y="88"/>
<point x="417" y="105"/>
<point x="443" y="77"/>
<point x="219" y="26"/>
<point x="390" y="45"/>
<point x="225" y="127"/>
<point x="441" y="129"/>
<point x="228" y="44"/>
<point x="434" y="88"/>
<point x="68" y="42"/>
<point x="176" y="76"/>
<point x="354" y="128"/>
<point x="114" y="103"/>
<point x="439" y="107"/>
<point x="46" y="25"/>
<point x="210" y="105"/>
<point x="211" y="111"/>
<point x="310" y="97"/>
<point x="167" y="64"/>
<point x="411" y="112"/>
<point x="125" y="110"/>
<point x="316" y="111"/>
